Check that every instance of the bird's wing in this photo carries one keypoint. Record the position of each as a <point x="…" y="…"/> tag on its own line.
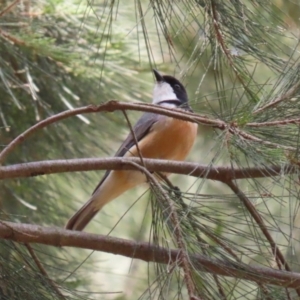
<point x="141" y="129"/>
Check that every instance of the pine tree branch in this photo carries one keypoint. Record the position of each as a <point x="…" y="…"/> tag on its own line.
<point x="279" y="257"/>
<point x="288" y="95"/>
<point x="110" y="107"/>
<point x="219" y="173"/>
<point x="8" y="8"/>
<point x="43" y="271"/>
<point x="27" y="233"/>
<point x="168" y="207"/>
<point x="115" y="105"/>
<point x="274" y="123"/>
<point x="221" y="42"/>
<point x="246" y="136"/>
<point x="198" y="231"/>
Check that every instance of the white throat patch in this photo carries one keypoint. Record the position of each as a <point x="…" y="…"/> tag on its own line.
<point x="163" y="91"/>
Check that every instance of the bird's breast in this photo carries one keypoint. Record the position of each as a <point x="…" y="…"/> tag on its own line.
<point x="168" y="138"/>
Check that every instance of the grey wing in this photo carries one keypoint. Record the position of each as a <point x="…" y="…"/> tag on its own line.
<point x="141" y="128"/>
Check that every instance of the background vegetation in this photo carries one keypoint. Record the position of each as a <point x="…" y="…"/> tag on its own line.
<point x="239" y="61"/>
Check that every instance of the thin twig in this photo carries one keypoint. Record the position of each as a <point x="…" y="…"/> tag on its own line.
<point x="274" y="123"/>
<point x="288" y="95"/>
<point x="178" y="234"/>
<point x="190" y="219"/>
<point x="134" y="137"/>
<point x="279" y="257"/>
<point x="250" y="137"/>
<point x="43" y="271"/>
<point x="219" y="38"/>
<point x="11" y="38"/>
<point x="8" y="8"/>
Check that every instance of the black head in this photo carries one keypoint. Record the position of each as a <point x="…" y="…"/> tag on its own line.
<point x="169" y="89"/>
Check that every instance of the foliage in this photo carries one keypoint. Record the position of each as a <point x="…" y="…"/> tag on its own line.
<point x="241" y="60"/>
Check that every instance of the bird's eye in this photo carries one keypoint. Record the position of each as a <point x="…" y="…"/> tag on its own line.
<point x="176" y="86"/>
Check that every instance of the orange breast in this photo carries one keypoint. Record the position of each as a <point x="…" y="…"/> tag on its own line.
<point x="169" y="139"/>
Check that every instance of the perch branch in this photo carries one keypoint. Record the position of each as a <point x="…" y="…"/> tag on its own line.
<point x="115" y="105"/>
<point x="219" y="173"/>
<point x="109" y="107"/>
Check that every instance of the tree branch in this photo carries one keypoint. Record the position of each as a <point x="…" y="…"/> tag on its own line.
<point x="219" y="173"/>
<point x="27" y="233"/>
<point x="250" y="137"/>
<point x="43" y="271"/>
<point x="295" y="121"/>
<point x="288" y="95"/>
<point x="110" y="106"/>
<point x="279" y="257"/>
<point x="9" y="8"/>
<point x="167" y="206"/>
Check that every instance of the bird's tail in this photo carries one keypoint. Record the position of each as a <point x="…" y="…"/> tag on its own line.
<point x="83" y="216"/>
<point x="110" y="188"/>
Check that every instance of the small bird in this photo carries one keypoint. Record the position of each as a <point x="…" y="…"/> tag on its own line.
<point x="158" y="136"/>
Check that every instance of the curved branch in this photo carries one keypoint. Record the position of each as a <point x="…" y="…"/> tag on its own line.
<point x="27" y="233"/>
<point x="115" y="105"/>
<point x="110" y="107"/>
<point x="219" y="173"/>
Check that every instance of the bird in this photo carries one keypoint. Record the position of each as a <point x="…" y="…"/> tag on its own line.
<point x="157" y="136"/>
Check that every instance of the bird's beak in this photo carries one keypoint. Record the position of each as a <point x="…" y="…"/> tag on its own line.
<point x="159" y="78"/>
